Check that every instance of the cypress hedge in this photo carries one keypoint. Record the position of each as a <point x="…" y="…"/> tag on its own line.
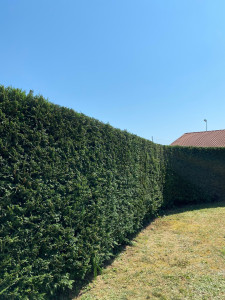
<point x="194" y="175"/>
<point x="72" y="190"/>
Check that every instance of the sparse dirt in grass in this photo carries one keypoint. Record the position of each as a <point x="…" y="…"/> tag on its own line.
<point x="178" y="256"/>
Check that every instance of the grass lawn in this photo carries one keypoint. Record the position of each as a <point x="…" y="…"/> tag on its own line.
<point x="178" y="256"/>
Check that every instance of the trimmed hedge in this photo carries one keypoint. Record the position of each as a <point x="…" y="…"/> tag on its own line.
<point x="194" y="175"/>
<point x="73" y="189"/>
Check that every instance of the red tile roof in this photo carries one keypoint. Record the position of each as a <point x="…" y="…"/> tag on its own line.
<point x="214" y="138"/>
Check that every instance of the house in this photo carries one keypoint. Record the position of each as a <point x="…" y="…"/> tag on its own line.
<point x="213" y="138"/>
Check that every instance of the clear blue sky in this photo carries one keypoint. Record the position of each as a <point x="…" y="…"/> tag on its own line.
<point x="152" y="67"/>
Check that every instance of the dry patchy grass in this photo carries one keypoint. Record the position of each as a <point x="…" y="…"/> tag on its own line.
<point x="178" y="256"/>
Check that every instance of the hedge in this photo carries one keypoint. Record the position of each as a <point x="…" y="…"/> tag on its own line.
<point x="72" y="190"/>
<point x="194" y="175"/>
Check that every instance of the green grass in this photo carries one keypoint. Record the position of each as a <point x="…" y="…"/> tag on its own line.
<point x="178" y="256"/>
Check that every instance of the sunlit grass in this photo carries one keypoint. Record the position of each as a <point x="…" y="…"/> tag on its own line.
<point x="178" y="256"/>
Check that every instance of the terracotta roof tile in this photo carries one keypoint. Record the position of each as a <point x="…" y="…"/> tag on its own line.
<point x="214" y="138"/>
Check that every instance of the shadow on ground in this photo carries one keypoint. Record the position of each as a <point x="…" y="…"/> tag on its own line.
<point x="191" y="207"/>
<point x="176" y="210"/>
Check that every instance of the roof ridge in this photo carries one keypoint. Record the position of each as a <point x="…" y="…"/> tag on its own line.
<point x="204" y="131"/>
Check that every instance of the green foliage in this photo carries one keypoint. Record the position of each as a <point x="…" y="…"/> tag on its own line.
<point x="73" y="189"/>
